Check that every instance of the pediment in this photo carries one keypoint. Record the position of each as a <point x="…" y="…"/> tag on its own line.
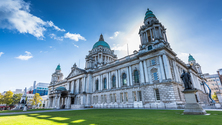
<point x="75" y="72"/>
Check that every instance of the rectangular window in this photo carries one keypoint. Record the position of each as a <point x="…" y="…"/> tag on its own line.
<point x="153" y="62"/>
<point x="101" y="98"/>
<point x="105" y="99"/>
<point x="134" y="96"/>
<point x="126" y="95"/>
<point x="114" y="97"/>
<point x="111" y="99"/>
<point x="140" y="96"/>
<point x="121" y="97"/>
<point x="157" y="94"/>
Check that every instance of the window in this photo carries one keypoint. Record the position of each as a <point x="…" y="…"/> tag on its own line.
<point x="126" y="95"/>
<point x="140" y="96"/>
<point x="114" y="97"/>
<point x="157" y="93"/>
<point x="150" y="47"/>
<point x="124" y="78"/>
<point x="114" y="81"/>
<point x="121" y="97"/>
<point x="134" y="96"/>
<point x="153" y="62"/>
<point x="104" y="83"/>
<point x="105" y="98"/>
<point x="97" y="84"/>
<point x="154" y="74"/>
<point x="136" y="76"/>
<point x="101" y="98"/>
<point x="111" y="99"/>
<point x="179" y="93"/>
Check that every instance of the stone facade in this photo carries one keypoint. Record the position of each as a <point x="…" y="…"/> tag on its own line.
<point x="149" y="78"/>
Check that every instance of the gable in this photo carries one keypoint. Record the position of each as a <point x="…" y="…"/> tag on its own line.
<point x="75" y="72"/>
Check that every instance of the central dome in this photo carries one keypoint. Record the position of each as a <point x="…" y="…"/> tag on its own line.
<point x="101" y="42"/>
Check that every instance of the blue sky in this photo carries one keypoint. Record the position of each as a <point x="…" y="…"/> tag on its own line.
<point x="37" y="35"/>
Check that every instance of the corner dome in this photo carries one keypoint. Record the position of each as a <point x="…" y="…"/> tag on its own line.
<point x="58" y="67"/>
<point x="191" y="58"/>
<point x="60" y="88"/>
<point x="149" y="14"/>
<point x="101" y="42"/>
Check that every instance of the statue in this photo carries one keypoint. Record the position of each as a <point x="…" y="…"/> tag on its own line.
<point x="186" y="80"/>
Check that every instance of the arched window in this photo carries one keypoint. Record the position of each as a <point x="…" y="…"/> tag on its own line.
<point x="124" y="78"/>
<point x="136" y="76"/>
<point x="104" y="83"/>
<point x="150" y="47"/>
<point x="114" y="81"/>
<point x="97" y="84"/>
<point x="154" y="74"/>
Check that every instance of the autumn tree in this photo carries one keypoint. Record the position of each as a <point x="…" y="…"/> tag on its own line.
<point x="214" y="96"/>
<point x="1" y="99"/>
<point x="36" y="99"/>
<point x="8" y="98"/>
<point x="17" y="98"/>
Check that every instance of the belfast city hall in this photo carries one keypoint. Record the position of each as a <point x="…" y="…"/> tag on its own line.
<point x="148" y="78"/>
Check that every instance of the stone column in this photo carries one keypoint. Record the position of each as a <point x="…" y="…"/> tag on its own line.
<point x="167" y="67"/>
<point x="192" y="80"/>
<point x="84" y="84"/>
<point x="89" y="83"/>
<point x="146" y="74"/>
<point x="58" y="102"/>
<point x="146" y="37"/>
<point x="127" y="74"/>
<point x="141" y="72"/>
<point x="176" y="71"/>
<point x="141" y="39"/>
<point x="119" y="73"/>
<point x="151" y="34"/>
<point x="72" y="87"/>
<point x="107" y="81"/>
<point x="161" y="68"/>
<point x="110" y="80"/>
<point x="49" y="104"/>
<point x="130" y="75"/>
<point x="77" y="86"/>
<point x="117" y="79"/>
<point x="69" y="102"/>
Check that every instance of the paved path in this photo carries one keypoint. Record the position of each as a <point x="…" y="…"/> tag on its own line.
<point x="53" y="110"/>
<point x="58" y="110"/>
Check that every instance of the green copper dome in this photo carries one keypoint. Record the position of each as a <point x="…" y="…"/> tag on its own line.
<point x="60" y="88"/>
<point x="191" y="58"/>
<point x="58" y="67"/>
<point x="101" y="42"/>
<point x="149" y="14"/>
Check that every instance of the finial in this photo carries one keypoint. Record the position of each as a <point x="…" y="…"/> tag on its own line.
<point x="101" y="38"/>
<point x="75" y="65"/>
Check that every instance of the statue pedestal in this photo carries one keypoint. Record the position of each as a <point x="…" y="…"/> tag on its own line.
<point x="192" y="107"/>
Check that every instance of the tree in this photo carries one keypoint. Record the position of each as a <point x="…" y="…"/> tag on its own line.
<point x="16" y="98"/>
<point x="1" y="99"/>
<point x="214" y="96"/>
<point x="8" y="97"/>
<point x="36" y="99"/>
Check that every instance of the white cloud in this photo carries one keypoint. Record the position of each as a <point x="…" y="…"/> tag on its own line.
<point x="75" y="45"/>
<point x="27" y="56"/>
<point x="75" y="37"/>
<point x="1" y="53"/>
<point x="40" y="51"/>
<point x="53" y="36"/>
<point x="119" y="47"/>
<point x="15" y="14"/>
<point x="183" y="57"/>
<point x="115" y="35"/>
<point x="51" y="24"/>
<point x="50" y="46"/>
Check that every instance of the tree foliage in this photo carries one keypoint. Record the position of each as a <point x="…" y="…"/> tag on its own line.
<point x="1" y="99"/>
<point x="214" y="96"/>
<point x="36" y="99"/>
<point x="16" y="98"/>
<point x="8" y="98"/>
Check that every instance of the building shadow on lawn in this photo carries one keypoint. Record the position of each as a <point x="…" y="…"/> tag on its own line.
<point x="58" y="118"/>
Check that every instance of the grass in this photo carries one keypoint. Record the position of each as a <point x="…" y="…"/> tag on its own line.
<point x="114" y="117"/>
<point x="10" y="111"/>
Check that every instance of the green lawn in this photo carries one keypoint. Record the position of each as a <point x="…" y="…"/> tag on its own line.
<point x="114" y="117"/>
<point x="10" y="111"/>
